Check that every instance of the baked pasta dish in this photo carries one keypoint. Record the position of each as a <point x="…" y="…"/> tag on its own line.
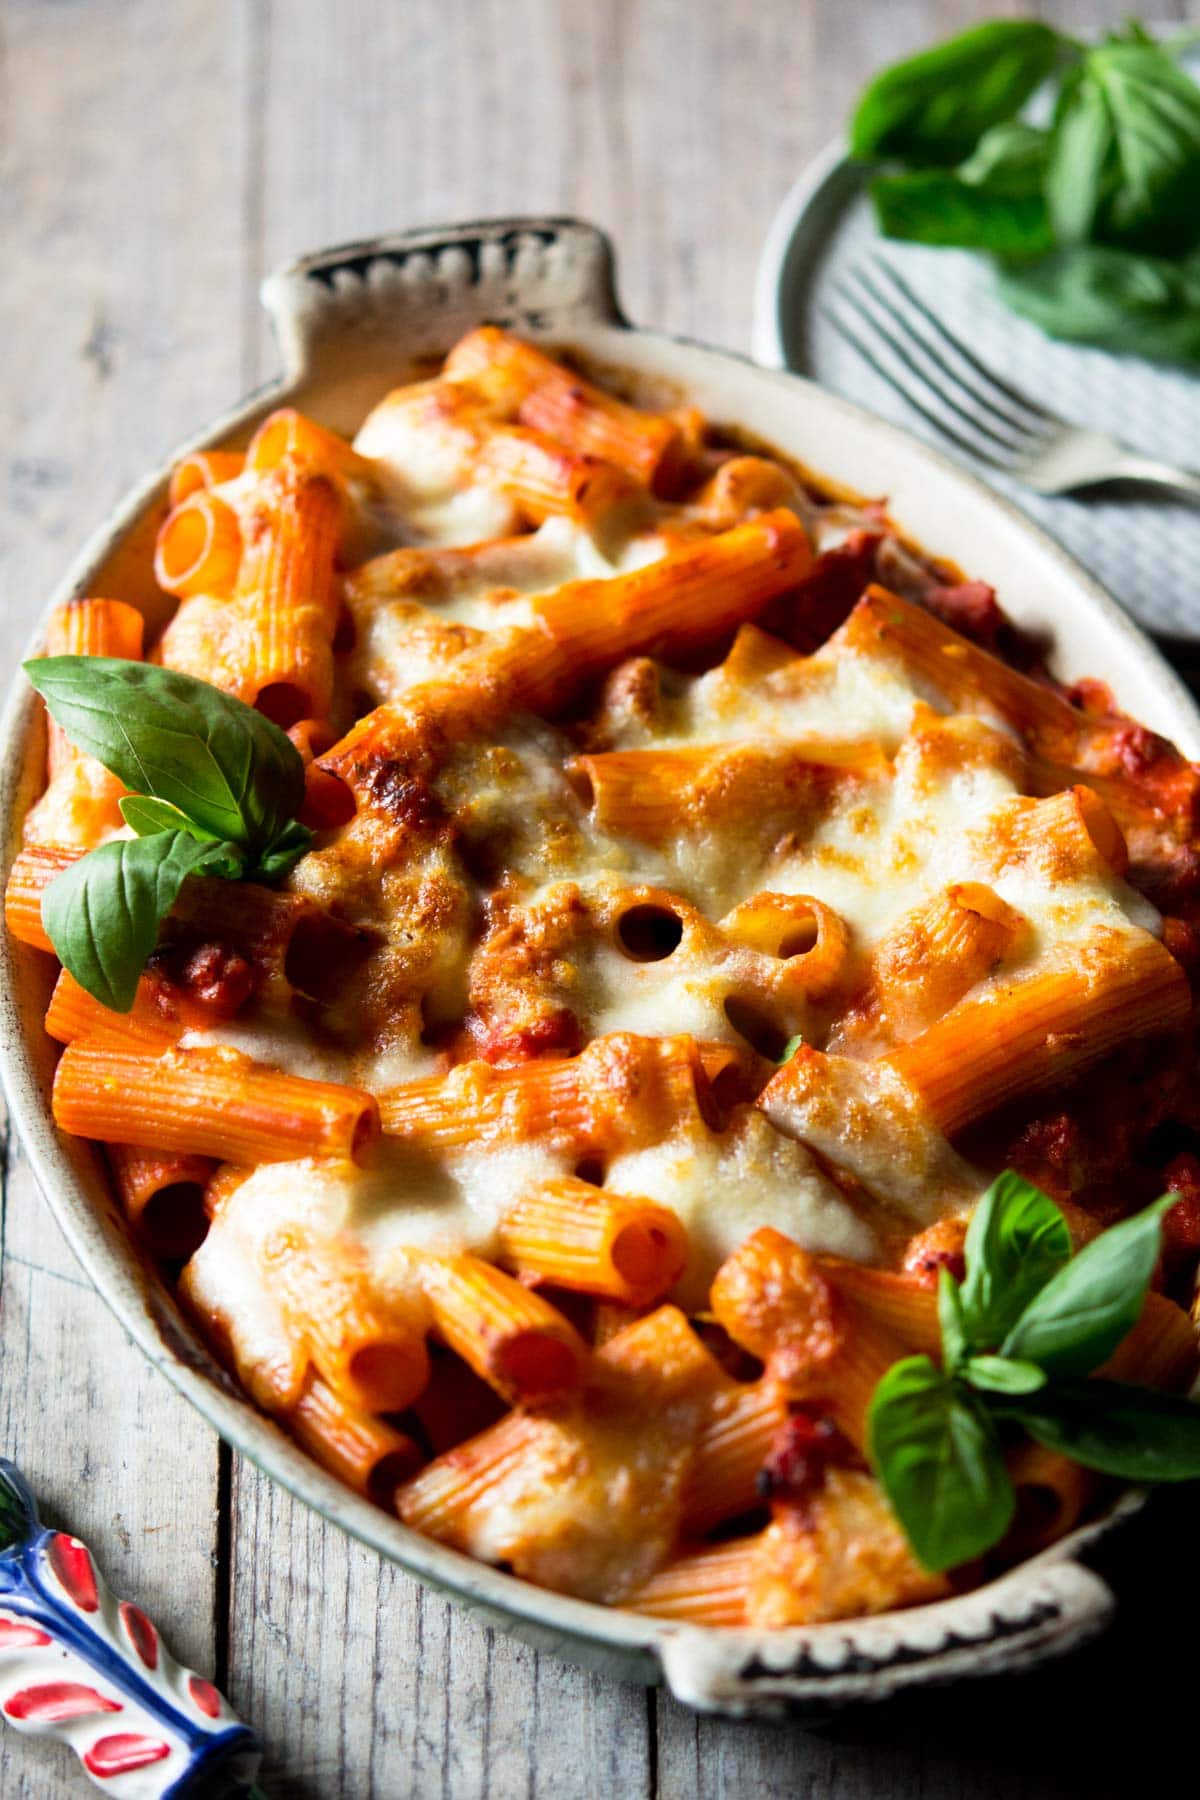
<point x="652" y="1035"/>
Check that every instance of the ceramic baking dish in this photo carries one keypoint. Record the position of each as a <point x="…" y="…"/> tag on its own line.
<point x="352" y="322"/>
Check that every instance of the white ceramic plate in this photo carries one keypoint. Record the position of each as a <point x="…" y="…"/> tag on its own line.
<point x="352" y="322"/>
<point x="1144" y="551"/>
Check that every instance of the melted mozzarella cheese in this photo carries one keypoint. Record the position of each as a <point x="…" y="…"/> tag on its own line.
<point x="224" y="1281"/>
<point x="404" y="1199"/>
<point x="931" y="811"/>
<point x="840" y="694"/>
<point x="428" y="493"/>
<point x="866" y="1120"/>
<point x="721" y="1184"/>
<point x="724" y="1185"/>
<point x="281" y="1040"/>
<point x="618" y="994"/>
<point x="412" y="626"/>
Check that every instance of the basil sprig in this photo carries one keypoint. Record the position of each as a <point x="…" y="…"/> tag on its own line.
<point x="938" y="1456"/>
<point x="215" y="788"/>
<point x="934" y="107"/>
<point x="1028" y="1322"/>
<point x="1092" y="215"/>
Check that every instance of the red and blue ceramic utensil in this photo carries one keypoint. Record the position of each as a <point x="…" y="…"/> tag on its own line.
<point x="80" y="1665"/>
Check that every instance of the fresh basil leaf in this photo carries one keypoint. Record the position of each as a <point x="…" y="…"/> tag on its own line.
<point x="147" y="817"/>
<point x="934" y="107"/>
<point x="225" y="862"/>
<point x="936" y="1453"/>
<point x="1009" y="159"/>
<point x="177" y="739"/>
<point x="1126" y="157"/>
<point x="1016" y="1241"/>
<point x="102" y="914"/>
<point x="1002" y="1375"/>
<point x="939" y="208"/>
<point x="1081" y="1315"/>
<point x="993" y="201"/>
<point x="284" y="851"/>
<point x="1134" y="1433"/>
<point x="1113" y="299"/>
<point x="1153" y="108"/>
<point x="1079" y="171"/>
<point x="951" y="1322"/>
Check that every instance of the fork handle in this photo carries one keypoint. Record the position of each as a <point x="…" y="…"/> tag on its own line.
<point x="1184" y="483"/>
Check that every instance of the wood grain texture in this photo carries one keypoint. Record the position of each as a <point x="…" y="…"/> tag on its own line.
<point x="157" y="160"/>
<point x="111" y="1451"/>
<point x="117" y="257"/>
<point x="363" y="1683"/>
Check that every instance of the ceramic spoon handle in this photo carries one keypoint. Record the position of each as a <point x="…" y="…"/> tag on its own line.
<point x="80" y="1665"/>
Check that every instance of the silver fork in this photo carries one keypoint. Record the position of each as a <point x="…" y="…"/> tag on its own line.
<point x="894" y="331"/>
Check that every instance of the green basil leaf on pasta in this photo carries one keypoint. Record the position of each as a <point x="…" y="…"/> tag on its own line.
<point x="937" y="1455"/>
<point x="934" y="107"/>
<point x="148" y="817"/>
<point x="951" y="1321"/>
<point x="1016" y="1242"/>
<point x="176" y="739"/>
<point x="284" y="851"/>
<point x="1133" y="1433"/>
<point x="1082" y="1314"/>
<point x="1002" y="1375"/>
<point x="102" y="914"/>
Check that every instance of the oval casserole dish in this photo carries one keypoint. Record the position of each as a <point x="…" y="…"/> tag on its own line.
<point x="351" y="323"/>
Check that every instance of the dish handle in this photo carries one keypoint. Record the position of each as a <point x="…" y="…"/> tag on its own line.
<point x="1032" y="1613"/>
<point x="410" y="294"/>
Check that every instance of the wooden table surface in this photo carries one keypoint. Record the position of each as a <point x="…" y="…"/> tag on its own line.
<point x="158" y="156"/>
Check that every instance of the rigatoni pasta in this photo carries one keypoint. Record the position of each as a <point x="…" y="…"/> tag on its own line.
<point x="566" y="1148"/>
<point x="211" y="1102"/>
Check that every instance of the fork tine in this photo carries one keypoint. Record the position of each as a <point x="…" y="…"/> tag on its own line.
<point x="975" y="391"/>
<point x="914" y="374"/>
<point x="912" y="398"/>
<point x="996" y="382"/>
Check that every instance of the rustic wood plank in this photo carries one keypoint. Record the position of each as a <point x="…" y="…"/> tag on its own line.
<point x="362" y="1683"/>
<point x="119" y="211"/>
<point x="114" y="214"/>
<point x="380" y="116"/>
<point x="1087" y="16"/>
<point x="111" y="1450"/>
